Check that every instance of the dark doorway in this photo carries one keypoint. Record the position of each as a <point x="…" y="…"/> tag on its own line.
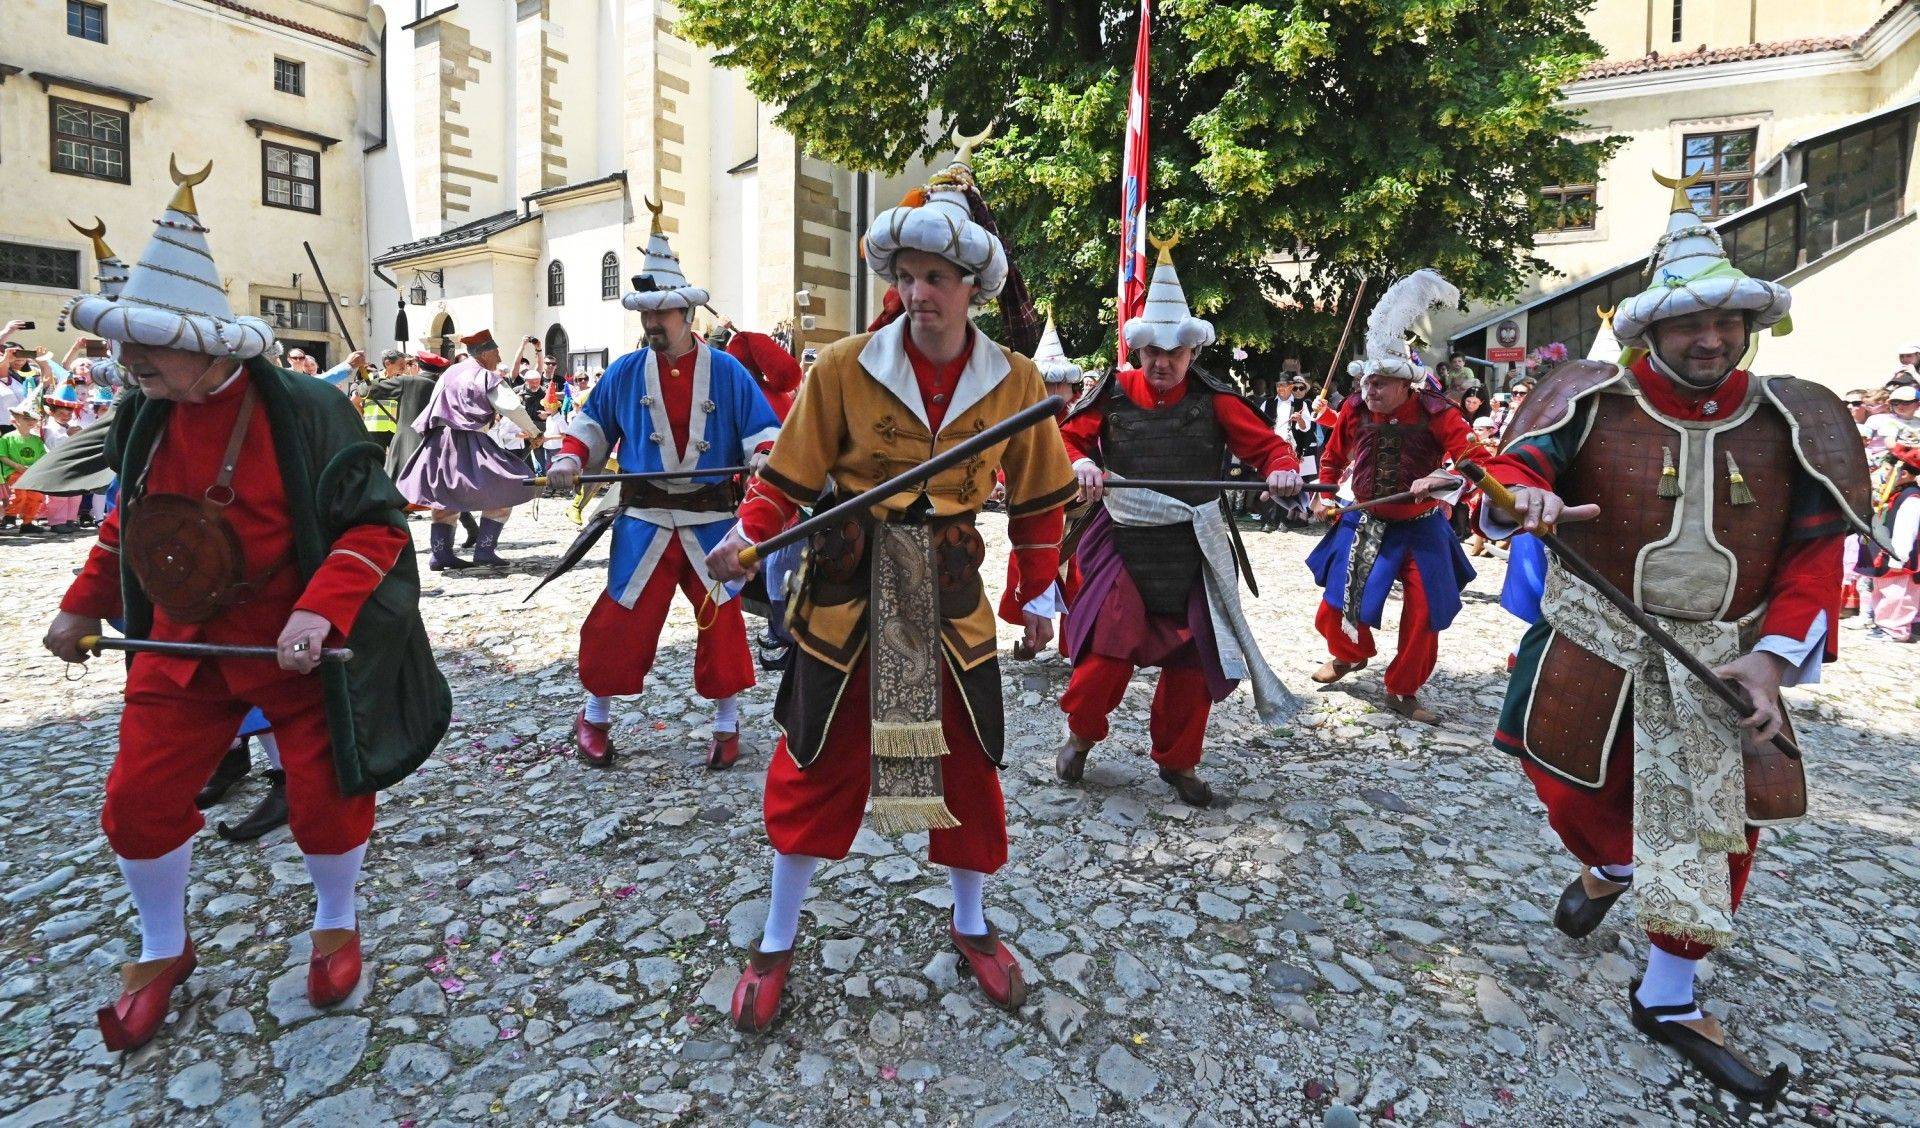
<point x="556" y="347"/>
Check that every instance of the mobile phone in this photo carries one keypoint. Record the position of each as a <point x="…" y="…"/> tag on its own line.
<point x="96" y="348"/>
<point x="26" y="325"/>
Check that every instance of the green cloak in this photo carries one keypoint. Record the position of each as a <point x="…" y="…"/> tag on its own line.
<point x="387" y="708"/>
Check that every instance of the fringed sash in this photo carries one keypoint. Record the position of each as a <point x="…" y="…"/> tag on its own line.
<point x="905" y="682"/>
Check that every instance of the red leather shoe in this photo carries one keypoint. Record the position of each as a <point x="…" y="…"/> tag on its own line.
<point x="1001" y="979"/>
<point x="592" y="742"/>
<point x="332" y="977"/>
<point x="133" y="1020"/>
<point x="756" y="998"/>
<point x="723" y="752"/>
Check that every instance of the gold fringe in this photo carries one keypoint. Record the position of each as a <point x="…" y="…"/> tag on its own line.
<point x="1711" y="937"/>
<point x="1725" y="843"/>
<point x="913" y="740"/>
<point x="1737" y="490"/>
<point x="1669" y="477"/>
<point x="905" y="816"/>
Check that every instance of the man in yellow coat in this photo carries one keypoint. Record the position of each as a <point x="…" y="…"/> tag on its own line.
<point x="894" y="692"/>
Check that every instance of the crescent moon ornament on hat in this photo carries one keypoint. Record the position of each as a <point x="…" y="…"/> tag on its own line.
<point x="1690" y="272"/>
<point x="661" y="284"/>
<point x="113" y="272"/>
<point x="939" y="221"/>
<point x="1606" y="346"/>
<point x="1166" y="322"/>
<point x="1404" y="303"/>
<point x="172" y="298"/>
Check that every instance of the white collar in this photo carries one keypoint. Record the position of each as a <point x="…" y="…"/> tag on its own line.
<point x="885" y="359"/>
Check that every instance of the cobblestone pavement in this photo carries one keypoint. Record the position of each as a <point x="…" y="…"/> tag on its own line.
<point x="1358" y="934"/>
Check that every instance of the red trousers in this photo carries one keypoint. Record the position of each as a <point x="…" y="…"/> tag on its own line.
<point x="1597" y="827"/>
<point x="1419" y="643"/>
<point x="817" y="811"/>
<point x="617" y="645"/>
<point x="171" y="739"/>
<point x="1177" y="724"/>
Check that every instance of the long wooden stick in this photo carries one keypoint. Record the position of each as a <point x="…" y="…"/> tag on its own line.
<point x="1391" y="499"/>
<point x="647" y="476"/>
<point x="97" y="643"/>
<point x="1346" y="335"/>
<point x="338" y="317"/>
<point x="1225" y="484"/>
<point x="998" y="433"/>
<point x="1734" y="696"/>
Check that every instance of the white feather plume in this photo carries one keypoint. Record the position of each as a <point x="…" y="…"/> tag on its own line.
<point x="1404" y="303"/>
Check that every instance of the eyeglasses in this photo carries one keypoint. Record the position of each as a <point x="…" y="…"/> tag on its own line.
<point x="1856" y="403"/>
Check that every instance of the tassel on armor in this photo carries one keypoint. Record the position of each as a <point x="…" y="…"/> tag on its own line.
<point x="1738" y="492"/>
<point x="1669" y="477"/>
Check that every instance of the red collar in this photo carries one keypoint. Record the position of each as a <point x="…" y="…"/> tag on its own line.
<point x="1675" y="401"/>
<point x="671" y="365"/>
<point x="946" y="374"/>
<point x="1133" y="381"/>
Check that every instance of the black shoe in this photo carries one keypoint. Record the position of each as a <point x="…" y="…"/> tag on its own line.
<point x="269" y="815"/>
<point x="1578" y="914"/>
<point x="471" y="529"/>
<point x="1192" y="791"/>
<point x="233" y="768"/>
<point x="1720" y="1065"/>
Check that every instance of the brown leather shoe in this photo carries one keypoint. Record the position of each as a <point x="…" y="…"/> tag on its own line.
<point x="1192" y="790"/>
<point x="1335" y="669"/>
<point x="1410" y="708"/>
<point x="1070" y="762"/>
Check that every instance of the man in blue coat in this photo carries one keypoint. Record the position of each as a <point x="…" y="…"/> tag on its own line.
<point x="675" y="405"/>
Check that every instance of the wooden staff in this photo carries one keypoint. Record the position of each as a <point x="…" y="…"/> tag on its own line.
<point x="647" y="476"/>
<point x="1391" y="499"/>
<point x="1228" y="484"/>
<point x="97" y="643"/>
<point x="998" y="433"/>
<point x="338" y="318"/>
<point x="1734" y="696"/>
<point x="1346" y="335"/>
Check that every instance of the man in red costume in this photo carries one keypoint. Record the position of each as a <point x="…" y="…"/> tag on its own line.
<point x="1393" y="436"/>
<point x="873" y="733"/>
<point x="770" y="365"/>
<point x="255" y="513"/>
<point x="1158" y="569"/>
<point x="1718" y="501"/>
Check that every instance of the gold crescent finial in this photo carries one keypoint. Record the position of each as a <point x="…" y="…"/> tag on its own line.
<point x="183" y="199"/>
<point x="656" y="209"/>
<point x="1606" y="315"/>
<point x="97" y="233"/>
<point x="1680" y="186"/>
<point x="1165" y="246"/>
<point x="966" y="144"/>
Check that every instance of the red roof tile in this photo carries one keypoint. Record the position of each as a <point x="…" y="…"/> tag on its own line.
<point x="295" y="25"/>
<point x="1704" y="57"/>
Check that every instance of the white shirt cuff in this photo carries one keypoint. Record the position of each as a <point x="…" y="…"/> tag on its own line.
<point x="1804" y="657"/>
<point x="1047" y="604"/>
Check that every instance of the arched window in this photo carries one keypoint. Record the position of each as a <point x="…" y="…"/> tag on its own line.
<point x="609" y="276"/>
<point x="556" y="283"/>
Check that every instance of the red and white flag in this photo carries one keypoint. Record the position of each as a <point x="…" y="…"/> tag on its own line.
<point x="1133" y="191"/>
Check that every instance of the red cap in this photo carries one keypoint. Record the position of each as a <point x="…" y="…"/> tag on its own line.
<point x="432" y="361"/>
<point x="479" y="342"/>
<point x="1906" y="454"/>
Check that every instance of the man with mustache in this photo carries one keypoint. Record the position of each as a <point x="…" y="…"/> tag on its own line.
<point x="1393" y="437"/>
<point x="254" y="513"/>
<point x="1718" y="501"/>
<point x="675" y="405"/>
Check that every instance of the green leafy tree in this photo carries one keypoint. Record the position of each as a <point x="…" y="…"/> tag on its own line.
<point x="1297" y="147"/>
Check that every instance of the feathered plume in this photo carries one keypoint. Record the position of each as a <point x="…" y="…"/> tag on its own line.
<point x="1404" y="303"/>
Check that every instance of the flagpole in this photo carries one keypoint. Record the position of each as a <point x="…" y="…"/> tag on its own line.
<point x="1132" y="278"/>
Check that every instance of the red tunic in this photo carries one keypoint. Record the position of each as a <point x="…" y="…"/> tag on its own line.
<point x="772" y="366"/>
<point x="1449" y="428"/>
<point x="186" y="461"/>
<point x="1250" y="438"/>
